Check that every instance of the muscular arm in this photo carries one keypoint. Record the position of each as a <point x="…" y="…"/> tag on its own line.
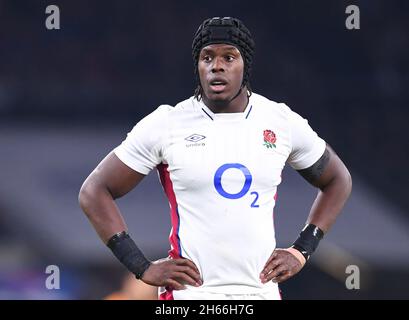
<point x="113" y="179"/>
<point x="333" y="179"/>
<point x="110" y="180"/>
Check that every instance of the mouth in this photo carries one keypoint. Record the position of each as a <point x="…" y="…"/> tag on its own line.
<point x="217" y="85"/>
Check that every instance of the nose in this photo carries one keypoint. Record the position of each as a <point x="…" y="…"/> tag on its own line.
<point x="218" y="65"/>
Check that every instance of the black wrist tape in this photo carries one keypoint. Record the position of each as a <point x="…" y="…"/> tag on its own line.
<point x="126" y="251"/>
<point x="308" y="240"/>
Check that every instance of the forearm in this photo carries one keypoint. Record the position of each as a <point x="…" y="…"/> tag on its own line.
<point x="330" y="201"/>
<point x="101" y="209"/>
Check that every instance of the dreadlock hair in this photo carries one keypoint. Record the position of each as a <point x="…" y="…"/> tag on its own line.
<point x="223" y="30"/>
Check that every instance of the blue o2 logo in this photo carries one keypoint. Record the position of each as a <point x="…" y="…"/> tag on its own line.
<point x="218" y="180"/>
<point x="247" y="183"/>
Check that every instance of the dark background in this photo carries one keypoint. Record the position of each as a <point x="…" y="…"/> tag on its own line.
<point x="113" y="62"/>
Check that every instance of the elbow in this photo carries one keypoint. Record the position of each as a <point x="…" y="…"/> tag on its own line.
<point x="85" y="196"/>
<point x="347" y="182"/>
<point x="350" y="182"/>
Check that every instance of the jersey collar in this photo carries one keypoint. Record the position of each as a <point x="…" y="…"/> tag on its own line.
<point x="232" y="116"/>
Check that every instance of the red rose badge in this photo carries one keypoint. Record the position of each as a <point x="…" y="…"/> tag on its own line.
<point x="269" y="138"/>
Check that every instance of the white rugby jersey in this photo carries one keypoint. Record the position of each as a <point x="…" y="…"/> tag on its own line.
<point x="220" y="172"/>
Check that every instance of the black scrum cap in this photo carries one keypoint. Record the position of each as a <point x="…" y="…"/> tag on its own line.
<point x="224" y="30"/>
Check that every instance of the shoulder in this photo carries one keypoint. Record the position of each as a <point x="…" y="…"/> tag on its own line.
<point x="162" y="111"/>
<point x="270" y="108"/>
<point x="184" y="112"/>
<point x="186" y="104"/>
<point x="184" y="107"/>
<point x="156" y="117"/>
<point x="165" y="115"/>
<point x="166" y="110"/>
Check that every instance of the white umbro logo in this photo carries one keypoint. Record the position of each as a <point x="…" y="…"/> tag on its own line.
<point x="195" y="137"/>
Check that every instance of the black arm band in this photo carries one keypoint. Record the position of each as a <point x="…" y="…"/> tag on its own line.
<point x="308" y="240"/>
<point x="125" y="249"/>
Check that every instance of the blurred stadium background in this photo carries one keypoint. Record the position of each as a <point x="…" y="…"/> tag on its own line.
<point x="69" y="96"/>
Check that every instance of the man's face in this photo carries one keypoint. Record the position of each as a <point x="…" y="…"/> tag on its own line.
<point x="221" y="71"/>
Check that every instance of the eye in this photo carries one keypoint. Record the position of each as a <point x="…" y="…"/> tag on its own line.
<point x="229" y="58"/>
<point x="207" y="58"/>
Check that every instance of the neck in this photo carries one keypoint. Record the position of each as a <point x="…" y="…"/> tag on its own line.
<point x="237" y="104"/>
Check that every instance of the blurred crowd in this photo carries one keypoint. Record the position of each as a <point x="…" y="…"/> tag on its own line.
<point x="119" y="60"/>
<point x="115" y="62"/>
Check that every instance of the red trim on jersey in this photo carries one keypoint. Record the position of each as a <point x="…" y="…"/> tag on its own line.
<point x="167" y="295"/>
<point x="175" y="251"/>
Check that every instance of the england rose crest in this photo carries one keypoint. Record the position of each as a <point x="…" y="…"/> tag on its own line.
<point x="269" y="139"/>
